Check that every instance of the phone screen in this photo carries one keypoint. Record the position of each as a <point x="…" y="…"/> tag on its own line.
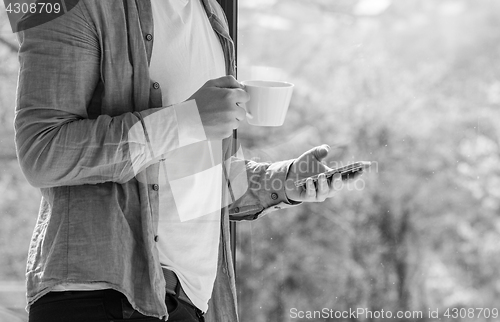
<point x="348" y="171"/>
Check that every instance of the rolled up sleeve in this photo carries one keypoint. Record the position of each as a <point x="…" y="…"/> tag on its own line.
<point x="265" y="189"/>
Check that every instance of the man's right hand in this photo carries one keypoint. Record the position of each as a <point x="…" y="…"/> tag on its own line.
<point x="217" y="103"/>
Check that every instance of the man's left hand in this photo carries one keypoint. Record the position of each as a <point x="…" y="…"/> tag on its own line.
<point x="309" y="164"/>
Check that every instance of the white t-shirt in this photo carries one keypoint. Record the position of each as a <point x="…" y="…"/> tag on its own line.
<point x="186" y="54"/>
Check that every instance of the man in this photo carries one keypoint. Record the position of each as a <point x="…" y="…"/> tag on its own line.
<point x="103" y="120"/>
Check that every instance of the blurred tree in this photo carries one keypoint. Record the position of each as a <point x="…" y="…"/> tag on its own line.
<point x="19" y="201"/>
<point x="415" y="89"/>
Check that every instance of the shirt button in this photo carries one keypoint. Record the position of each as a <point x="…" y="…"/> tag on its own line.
<point x="236" y="210"/>
<point x="274" y="196"/>
<point x="156" y="187"/>
<point x="156" y="238"/>
<point x="224" y="270"/>
<point x="156" y="85"/>
<point x="149" y="37"/>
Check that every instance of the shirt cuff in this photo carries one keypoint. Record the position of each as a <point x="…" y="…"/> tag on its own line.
<point x="271" y="194"/>
<point x="278" y="172"/>
<point x="163" y="130"/>
<point x="189" y="123"/>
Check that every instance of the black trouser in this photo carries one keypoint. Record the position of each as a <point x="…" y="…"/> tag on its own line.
<point x="103" y="306"/>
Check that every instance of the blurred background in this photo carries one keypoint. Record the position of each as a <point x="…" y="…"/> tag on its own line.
<point x="411" y="85"/>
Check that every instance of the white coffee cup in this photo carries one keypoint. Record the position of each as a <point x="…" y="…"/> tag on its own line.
<point x="269" y="101"/>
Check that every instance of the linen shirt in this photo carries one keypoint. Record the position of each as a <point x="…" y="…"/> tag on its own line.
<point x="88" y="135"/>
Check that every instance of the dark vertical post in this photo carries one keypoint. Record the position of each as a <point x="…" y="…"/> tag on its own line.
<point x="231" y="9"/>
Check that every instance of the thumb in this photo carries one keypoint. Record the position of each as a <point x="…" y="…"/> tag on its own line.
<point x="225" y="82"/>
<point x="320" y="152"/>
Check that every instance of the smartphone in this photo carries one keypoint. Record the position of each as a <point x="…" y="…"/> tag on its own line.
<point x="348" y="171"/>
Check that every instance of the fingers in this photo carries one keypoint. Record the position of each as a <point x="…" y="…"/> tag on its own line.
<point x="217" y="103"/>
<point x="320" y="152"/>
<point x="241" y="111"/>
<point x="225" y="82"/>
<point x="237" y="95"/>
<point x="336" y="182"/>
<point x="236" y="99"/>
<point x="323" y="189"/>
<point x="234" y="91"/>
<point x="310" y="190"/>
